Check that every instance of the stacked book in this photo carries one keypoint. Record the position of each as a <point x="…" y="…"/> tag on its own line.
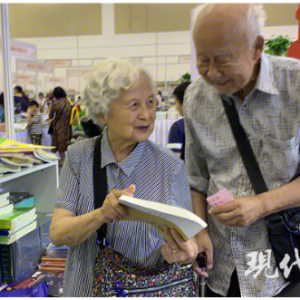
<point x="15" y="155"/>
<point x="54" y="259"/>
<point x="17" y="216"/>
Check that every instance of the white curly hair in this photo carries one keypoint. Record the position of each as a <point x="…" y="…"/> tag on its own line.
<point x="255" y="19"/>
<point x="106" y="81"/>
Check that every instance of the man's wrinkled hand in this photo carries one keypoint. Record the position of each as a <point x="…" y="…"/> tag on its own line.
<point x="240" y="212"/>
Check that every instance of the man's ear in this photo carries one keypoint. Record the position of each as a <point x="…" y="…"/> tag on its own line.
<point x="258" y="47"/>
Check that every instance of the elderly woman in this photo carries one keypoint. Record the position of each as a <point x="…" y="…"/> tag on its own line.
<point x="121" y="96"/>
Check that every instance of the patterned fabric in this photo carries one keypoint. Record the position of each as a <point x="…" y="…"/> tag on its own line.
<point x="270" y="115"/>
<point x="62" y="131"/>
<point x="36" y="126"/>
<point x="115" y="275"/>
<point x="158" y="175"/>
<point x="36" y="139"/>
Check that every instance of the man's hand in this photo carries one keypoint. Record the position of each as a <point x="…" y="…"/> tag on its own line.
<point x="240" y="212"/>
<point x="204" y="245"/>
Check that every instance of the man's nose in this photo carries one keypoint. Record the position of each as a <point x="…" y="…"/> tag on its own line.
<point x="213" y="72"/>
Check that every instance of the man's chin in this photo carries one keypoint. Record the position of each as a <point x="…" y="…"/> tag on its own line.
<point x="226" y="91"/>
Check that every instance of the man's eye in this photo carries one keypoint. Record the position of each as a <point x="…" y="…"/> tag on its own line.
<point x="135" y="104"/>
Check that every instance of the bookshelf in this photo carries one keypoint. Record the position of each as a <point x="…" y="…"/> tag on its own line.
<point x="40" y="180"/>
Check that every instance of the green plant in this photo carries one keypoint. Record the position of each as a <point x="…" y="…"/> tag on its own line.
<point x="277" y="45"/>
<point x="185" y="77"/>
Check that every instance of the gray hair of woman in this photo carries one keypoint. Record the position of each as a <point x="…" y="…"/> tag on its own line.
<point x="107" y="80"/>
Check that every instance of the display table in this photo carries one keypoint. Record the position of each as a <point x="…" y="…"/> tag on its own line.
<point x="23" y="136"/>
<point x="161" y="131"/>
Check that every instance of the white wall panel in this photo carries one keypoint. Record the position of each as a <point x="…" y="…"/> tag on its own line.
<point x="161" y="60"/>
<point x="74" y="63"/>
<point x="137" y="51"/>
<point x="85" y="62"/>
<point x="149" y="60"/>
<point x="172" y="59"/>
<point x="291" y="31"/>
<point x="57" y="54"/>
<point x="73" y="83"/>
<point x="174" y="72"/>
<point x="173" y="37"/>
<point x="53" y="42"/>
<point x="60" y="72"/>
<point x="116" y="40"/>
<point x="152" y="70"/>
<point x="161" y="73"/>
<point x="178" y="49"/>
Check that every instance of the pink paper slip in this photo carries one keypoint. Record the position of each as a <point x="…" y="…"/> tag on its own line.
<point x="219" y="198"/>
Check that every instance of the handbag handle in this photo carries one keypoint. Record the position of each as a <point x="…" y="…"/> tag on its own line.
<point x="100" y="188"/>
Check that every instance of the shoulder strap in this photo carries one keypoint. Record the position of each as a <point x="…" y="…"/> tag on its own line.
<point x="245" y="149"/>
<point x="252" y="168"/>
<point x="249" y="160"/>
<point x="100" y="187"/>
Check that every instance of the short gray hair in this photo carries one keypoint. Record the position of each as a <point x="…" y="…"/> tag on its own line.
<point x="106" y="81"/>
<point x="255" y="20"/>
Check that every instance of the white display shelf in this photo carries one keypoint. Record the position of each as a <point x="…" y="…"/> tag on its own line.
<point x="40" y="180"/>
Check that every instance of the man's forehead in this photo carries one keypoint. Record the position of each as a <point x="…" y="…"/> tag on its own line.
<point x="217" y="53"/>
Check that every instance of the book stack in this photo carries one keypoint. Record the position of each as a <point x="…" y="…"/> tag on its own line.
<point x="5" y="206"/>
<point x="54" y="259"/>
<point x="20" y="257"/>
<point x="21" y="200"/>
<point x="15" y="155"/>
<point x="16" y="224"/>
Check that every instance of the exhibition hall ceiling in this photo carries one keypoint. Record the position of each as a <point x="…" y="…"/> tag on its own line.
<point x="55" y="20"/>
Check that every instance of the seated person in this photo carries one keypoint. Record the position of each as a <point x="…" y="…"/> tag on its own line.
<point x="176" y="140"/>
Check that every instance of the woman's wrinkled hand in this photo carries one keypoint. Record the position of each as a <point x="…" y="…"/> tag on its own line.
<point x="176" y="249"/>
<point x="112" y="210"/>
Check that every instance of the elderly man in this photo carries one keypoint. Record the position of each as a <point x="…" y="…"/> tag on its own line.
<point x="265" y="90"/>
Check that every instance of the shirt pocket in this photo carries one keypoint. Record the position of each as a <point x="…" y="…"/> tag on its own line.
<point x="280" y="158"/>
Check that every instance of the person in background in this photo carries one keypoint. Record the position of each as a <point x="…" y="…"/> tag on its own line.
<point x="20" y="99"/>
<point x="159" y="99"/>
<point x="120" y="95"/>
<point x="59" y="115"/>
<point x="265" y="91"/>
<point x="35" y="123"/>
<point x="42" y="103"/>
<point x="2" y="119"/>
<point x="176" y="141"/>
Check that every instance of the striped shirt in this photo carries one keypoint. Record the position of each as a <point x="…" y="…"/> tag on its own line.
<point x="270" y="115"/>
<point x="158" y="176"/>
<point x="36" y="126"/>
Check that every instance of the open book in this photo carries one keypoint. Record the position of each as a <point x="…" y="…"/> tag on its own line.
<point x="158" y="215"/>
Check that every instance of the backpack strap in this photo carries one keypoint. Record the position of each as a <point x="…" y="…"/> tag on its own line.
<point x="100" y="188"/>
